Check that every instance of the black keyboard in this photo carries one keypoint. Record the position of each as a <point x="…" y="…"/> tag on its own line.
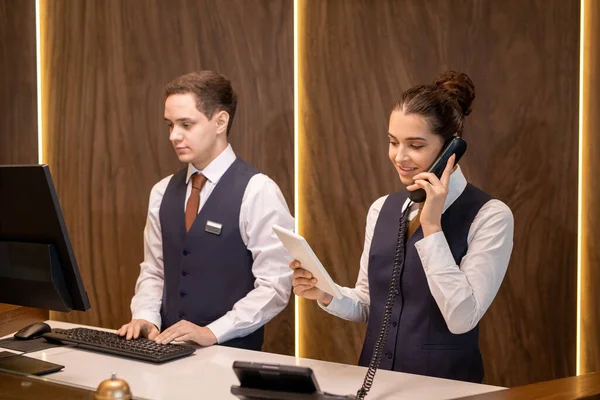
<point x="111" y="343"/>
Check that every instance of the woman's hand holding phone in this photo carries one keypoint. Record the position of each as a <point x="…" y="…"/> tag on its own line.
<point x="437" y="191"/>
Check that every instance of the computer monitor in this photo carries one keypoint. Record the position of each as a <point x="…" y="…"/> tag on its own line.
<point x="37" y="263"/>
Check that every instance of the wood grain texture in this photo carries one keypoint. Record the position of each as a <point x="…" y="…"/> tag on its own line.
<point x="590" y="251"/>
<point x="13" y="318"/>
<point x="18" y="124"/>
<point x="523" y="58"/>
<point x="22" y="387"/>
<point x="575" y="387"/>
<point x="107" y="64"/>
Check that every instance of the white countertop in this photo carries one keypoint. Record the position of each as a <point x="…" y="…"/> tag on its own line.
<point x="207" y="374"/>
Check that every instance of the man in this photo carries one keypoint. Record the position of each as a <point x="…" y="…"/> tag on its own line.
<point x="213" y="271"/>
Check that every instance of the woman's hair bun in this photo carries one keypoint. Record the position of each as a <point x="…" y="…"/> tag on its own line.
<point x="460" y="87"/>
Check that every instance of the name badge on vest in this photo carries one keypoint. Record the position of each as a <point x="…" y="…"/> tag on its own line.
<point x="213" y="227"/>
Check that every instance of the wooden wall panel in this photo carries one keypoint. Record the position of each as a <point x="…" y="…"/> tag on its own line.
<point x="13" y="318"/>
<point x="107" y="64"/>
<point x="358" y="56"/>
<point x="18" y="123"/>
<point x="590" y="312"/>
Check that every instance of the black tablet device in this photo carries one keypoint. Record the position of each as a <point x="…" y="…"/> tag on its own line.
<point x="28" y="365"/>
<point x="276" y="377"/>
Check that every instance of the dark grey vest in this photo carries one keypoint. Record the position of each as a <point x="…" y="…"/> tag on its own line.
<point x="419" y="341"/>
<point x="206" y="273"/>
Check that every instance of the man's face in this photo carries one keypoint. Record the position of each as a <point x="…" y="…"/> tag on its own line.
<point x="196" y="139"/>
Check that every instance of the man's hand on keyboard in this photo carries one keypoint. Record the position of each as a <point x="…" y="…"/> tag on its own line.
<point x="184" y="330"/>
<point x="138" y="327"/>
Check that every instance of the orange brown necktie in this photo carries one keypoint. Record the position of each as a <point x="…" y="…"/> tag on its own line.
<point x="414" y="224"/>
<point x="191" y="208"/>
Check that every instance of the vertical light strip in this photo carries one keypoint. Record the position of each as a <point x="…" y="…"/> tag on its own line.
<point x="580" y="188"/>
<point x="296" y="171"/>
<point x="38" y="68"/>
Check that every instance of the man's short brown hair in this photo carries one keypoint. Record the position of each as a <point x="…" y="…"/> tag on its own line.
<point x="213" y="93"/>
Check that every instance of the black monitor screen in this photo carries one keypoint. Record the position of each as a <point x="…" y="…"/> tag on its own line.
<point x="37" y="263"/>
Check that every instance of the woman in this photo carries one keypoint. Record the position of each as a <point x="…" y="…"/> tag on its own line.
<point x="448" y="255"/>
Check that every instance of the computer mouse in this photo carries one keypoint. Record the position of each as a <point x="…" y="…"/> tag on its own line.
<point x="33" y="331"/>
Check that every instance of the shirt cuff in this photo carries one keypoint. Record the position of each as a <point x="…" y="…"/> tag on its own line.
<point x="223" y="329"/>
<point x="435" y="253"/>
<point x="331" y="307"/>
<point x="338" y="306"/>
<point x="149" y="316"/>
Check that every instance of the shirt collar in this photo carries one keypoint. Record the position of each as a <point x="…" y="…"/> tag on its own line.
<point x="217" y="167"/>
<point x="456" y="186"/>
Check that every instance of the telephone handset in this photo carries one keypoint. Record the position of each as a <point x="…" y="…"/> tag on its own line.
<point x="456" y="146"/>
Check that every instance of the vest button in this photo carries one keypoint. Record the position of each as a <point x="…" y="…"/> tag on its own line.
<point x="181" y="315"/>
<point x="182" y="294"/>
<point x="394" y="323"/>
<point x="389" y="354"/>
<point x="185" y="252"/>
<point x="184" y="272"/>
